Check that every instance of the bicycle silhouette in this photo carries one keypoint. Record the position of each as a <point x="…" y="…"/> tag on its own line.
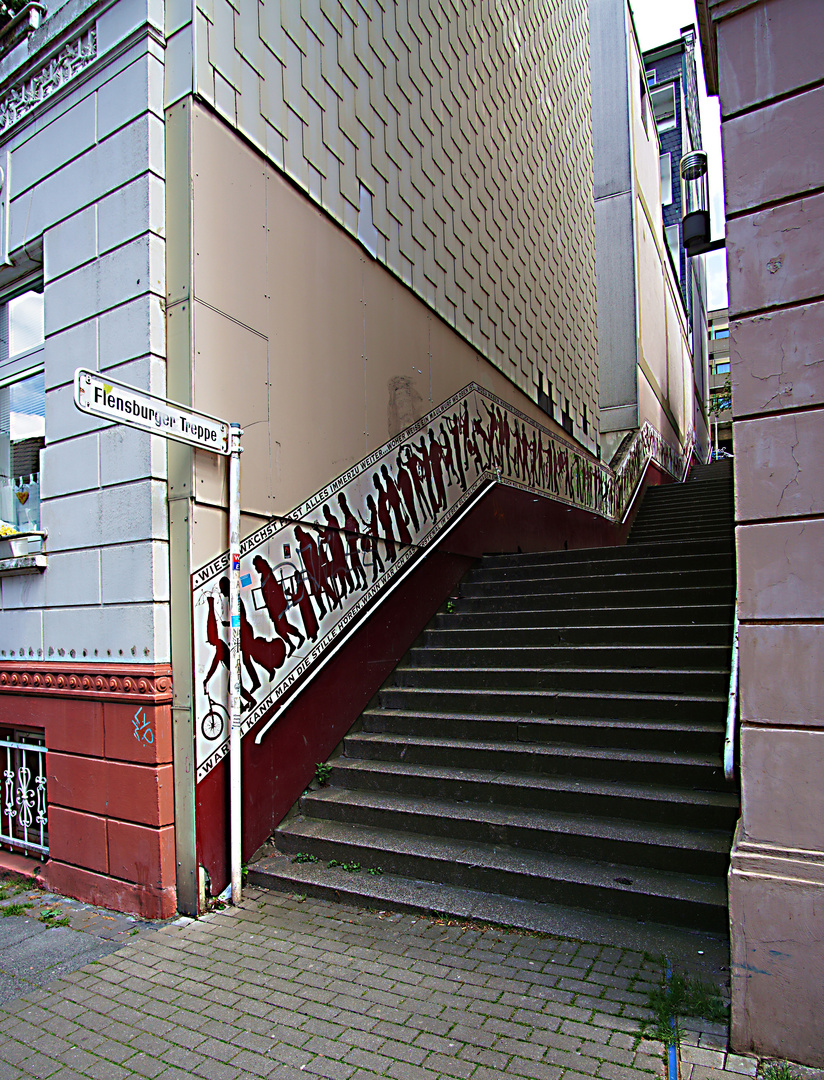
<point x="214" y="721"/>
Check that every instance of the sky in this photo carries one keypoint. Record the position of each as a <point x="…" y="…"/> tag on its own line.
<point x="660" y="21"/>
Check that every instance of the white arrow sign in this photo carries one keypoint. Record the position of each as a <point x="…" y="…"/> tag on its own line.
<point x="111" y="400"/>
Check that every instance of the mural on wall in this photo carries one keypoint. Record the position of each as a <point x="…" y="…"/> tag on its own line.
<point x="308" y="578"/>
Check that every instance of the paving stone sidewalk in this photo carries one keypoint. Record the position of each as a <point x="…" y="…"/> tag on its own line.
<point x="287" y="987"/>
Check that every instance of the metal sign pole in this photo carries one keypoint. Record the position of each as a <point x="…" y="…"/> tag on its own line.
<point x="234" y="661"/>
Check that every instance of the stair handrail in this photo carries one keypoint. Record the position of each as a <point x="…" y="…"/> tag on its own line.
<point x="732" y="703"/>
<point x="646" y="446"/>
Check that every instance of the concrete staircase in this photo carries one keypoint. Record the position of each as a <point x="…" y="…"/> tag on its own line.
<point x="553" y="743"/>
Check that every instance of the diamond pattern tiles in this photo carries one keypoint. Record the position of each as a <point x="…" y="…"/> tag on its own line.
<point x="469" y="123"/>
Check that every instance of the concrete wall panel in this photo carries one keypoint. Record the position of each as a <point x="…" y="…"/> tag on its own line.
<point x="781" y="667"/>
<point x="784" y="455"/>
<point x="778" y="963"/>
<point x="775" y="257"/>
<point x="763" y="55"/>
<point x="775" y="152"/>
<point x="781" y="572"/>
<point x="781" y="788"/>
<point x="778" y="360"/>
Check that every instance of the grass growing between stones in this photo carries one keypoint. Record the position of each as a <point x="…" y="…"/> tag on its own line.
<point x="14" y="909"/>
<point x="677" y="998"/>
<point x="777" y="1070"/>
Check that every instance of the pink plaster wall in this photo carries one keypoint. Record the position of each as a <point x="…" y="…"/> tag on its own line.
<point x="777" y="360"/>
<point x="775" y="257"/>
<point x="770" y="74"/>
<point x="762" y="163"/>
<point x="782" y="794"/>
<point x="768" y="50"/>
<point x="781" y="570"/>
<point x="781" y="681"/>
<point x="783" y="477"/>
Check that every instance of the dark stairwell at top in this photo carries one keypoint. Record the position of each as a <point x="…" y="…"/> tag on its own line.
<point x="554" y="743"/>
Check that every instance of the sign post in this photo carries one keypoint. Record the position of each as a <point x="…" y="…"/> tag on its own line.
<point x="234" y="660"/>
<point x="120" y="403"/>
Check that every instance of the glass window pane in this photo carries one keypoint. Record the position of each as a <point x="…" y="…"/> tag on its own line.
<point x="22" y="437"/>
<point x="666" y="179"/>
<point x="21" y="328"/>
<point x="663" y="106"/>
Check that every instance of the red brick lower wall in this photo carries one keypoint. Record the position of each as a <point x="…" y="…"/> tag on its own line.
<point x="108" y="735"/>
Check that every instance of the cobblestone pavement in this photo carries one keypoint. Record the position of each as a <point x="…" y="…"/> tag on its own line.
<point x="287" y="987"/>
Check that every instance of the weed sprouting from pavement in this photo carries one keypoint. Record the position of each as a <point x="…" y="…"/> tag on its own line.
<point x="677" y="997"/>
<point x="778" y="1070"/>
<point x="14" y="909"/>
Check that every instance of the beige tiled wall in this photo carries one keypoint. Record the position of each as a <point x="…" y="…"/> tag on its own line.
<point x="467" y="128"/>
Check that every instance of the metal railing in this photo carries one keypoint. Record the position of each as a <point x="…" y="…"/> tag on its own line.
<point x="24" y="820"/>
<point x="732" y="703"/>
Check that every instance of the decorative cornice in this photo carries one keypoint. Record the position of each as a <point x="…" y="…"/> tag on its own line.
<point x="41" y="84"/>
<point x="110" y="682"/>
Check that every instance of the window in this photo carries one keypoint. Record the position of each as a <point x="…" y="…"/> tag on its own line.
<point x="722" y="368"/>
<point x="644" y="104"/>
<point x="666" y="179"/>
<point x="663" y="107"/>
<point x="22" y="410"/>
<point x="673" y="235"/>
<point x="651" y="76"/>
<point x="722" y="333"/>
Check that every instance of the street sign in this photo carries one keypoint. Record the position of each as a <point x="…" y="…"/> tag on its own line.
<point x="111" y="400"/>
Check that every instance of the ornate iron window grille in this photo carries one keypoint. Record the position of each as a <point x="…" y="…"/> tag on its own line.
<point x="24" y="816"/>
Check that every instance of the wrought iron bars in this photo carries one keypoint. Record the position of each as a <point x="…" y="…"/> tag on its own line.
<point x="24" y="819"/>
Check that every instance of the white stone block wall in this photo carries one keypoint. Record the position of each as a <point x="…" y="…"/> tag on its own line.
<point x="453" y="139"/>
<point x="87" y="189"/>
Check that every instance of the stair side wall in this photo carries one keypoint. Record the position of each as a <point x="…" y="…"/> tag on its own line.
<point x="770" y="58"/>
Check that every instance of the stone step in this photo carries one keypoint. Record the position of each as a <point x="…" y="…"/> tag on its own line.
<point x="518" y="597"/>
<point x="638" y="577"/>
<point x="439" y="653"/>
<point x="698" y="736"/>
<point x="494" y="702"/>
<point x="612" y="887"/>
<point x="631" y="765"/>
<point x="521" y="677"/>
<point x="672" y="549"/>
<point x="649" y="800"/>
<point x="629" y="615"/>
<point x="445" y="632"/>
<point x="635" y="843"/>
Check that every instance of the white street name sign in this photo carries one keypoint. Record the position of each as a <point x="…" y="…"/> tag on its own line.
<point x="111" y="400"/>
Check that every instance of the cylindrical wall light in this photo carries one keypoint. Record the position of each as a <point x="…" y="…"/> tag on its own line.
<point x="696" y="220"/>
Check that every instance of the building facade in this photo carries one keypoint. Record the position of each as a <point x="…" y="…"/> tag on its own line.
<point x="672" y="76"/>
<point x="367" y="235"/>
<point x="720" y="380"/>
<point x="652" y="358"/>
<point x="765" y="61"/>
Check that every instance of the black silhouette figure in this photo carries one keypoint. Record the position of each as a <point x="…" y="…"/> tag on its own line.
<point x="337" y="553"/>
<point x="394" y="498"/>
<point x="353" y="538"/>
<point x="268" y="655"/>
<point x="416" y="471"/>
<point x="372" y="529"/>
<point x="276" y="603"/>
<point x="385" y="518"/>
<point x="404" y="481"/>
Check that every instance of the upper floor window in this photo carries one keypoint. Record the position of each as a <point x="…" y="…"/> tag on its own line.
<point x="644" y="104"/>
<point x="666" y="179"/>
<point x="22" y="410"/>
<point x="720" y="332"/>
<point x="673" y="235"/>
<point x="663" y="106"/>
